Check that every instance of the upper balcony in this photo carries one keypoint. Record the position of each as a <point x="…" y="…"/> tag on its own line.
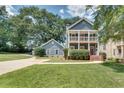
<point x="83" y="39"/>
<point x="73" y="38"/>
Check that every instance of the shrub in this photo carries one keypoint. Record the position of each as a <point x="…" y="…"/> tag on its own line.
<point x="82" y="54"/>
<point x="4" y="48"/>
<point x="39" y="52"/>
<point x="66" y="53"/>
<point x="103" y="54"/>
<point x="113" y="59"/>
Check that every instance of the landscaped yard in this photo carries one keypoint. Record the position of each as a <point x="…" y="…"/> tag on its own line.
<point x="8" y="56"/>
<point x="88" y="75"/>
<point x="60" y="59"/>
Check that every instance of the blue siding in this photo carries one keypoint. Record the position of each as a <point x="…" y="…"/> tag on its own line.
<point x="52" y="51"/>
<point x="83" y="25"/>
<point x="52" y="47"/>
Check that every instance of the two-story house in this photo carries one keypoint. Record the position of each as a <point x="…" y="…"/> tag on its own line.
<point x="81" y="35"/>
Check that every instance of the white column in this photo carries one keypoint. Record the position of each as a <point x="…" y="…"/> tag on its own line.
<point x="97" y="45"/>
<point x="88" y="40"/>
<point x="78" y="39"/>
<point x="68" y="39"/>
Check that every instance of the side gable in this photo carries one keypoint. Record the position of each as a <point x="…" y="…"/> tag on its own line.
<point x="52" y="43"/>
<point x="82" y="24"/>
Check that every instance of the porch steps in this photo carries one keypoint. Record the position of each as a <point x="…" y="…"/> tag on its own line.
<point x="96" y="58"/>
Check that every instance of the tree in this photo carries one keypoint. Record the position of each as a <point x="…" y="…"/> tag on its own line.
<point x="20" y="28"/>
<point x="3" y="28"/>
<point x="46" y="25"/>
<point x="34" y="26"/>
<point x="109" y="20"/>
<point x="70" y="21"/>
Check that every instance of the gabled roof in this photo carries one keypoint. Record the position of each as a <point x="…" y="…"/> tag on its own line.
<point x="85" y="19"/>
<point x="50" y="41"/>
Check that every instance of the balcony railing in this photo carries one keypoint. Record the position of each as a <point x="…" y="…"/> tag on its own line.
<point x="93" y="39"/>
<point x="83" y="39"/>
<point x="73" y="39"/>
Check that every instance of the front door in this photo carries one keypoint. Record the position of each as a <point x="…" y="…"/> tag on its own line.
<point x="92" y="50"/>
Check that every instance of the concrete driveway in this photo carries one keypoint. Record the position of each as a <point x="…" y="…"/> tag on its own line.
<point x="9" y="66"/>
<point x="12" y="65"/>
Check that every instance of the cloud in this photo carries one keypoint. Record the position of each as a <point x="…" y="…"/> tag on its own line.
<point x="11" y="11"/>
<point x="76" y="10"/>
<point x="79" y="10"/>
<point x="61" y="11"/>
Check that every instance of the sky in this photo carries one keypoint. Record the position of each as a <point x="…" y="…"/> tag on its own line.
<point x="65" y="11"/>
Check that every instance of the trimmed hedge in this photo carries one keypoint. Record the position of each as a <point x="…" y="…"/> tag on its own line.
<point x="81" y="54"/>
<point x="38" y="51"/>
<point x="66" y="53"/>
<point x="112" y="60"/>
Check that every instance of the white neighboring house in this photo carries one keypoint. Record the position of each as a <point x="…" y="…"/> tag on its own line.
<point x="113" y="49"/>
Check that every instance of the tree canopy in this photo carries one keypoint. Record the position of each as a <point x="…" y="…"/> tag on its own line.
<point x="109" y="20"/>
<point x="3" y="28"/>
<point x="32" y="27"/>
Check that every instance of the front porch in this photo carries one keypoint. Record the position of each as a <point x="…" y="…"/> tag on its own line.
<point x="92" y="47"/>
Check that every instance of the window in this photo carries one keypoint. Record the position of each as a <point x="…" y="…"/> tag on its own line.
<point x="119" y="51"/>
<point x="91" y="35"/>
<point x="83" y="35"/>
<point x="47" y="52"/>
<point x="114" y="52"/>
<point x="73" y="37"/>
<point x="94" y="35"/>
<point x="86" y="35"/>
<point x="57" y="51"/>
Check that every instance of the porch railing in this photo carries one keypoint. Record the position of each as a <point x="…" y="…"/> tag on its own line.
<point x="83" y="39"/>
<point x="73" y="39"/>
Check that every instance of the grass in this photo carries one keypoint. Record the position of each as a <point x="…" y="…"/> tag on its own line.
<point x="107" y="75"/>
<point x="60" y="59"/>
<point x="9" y="56"/>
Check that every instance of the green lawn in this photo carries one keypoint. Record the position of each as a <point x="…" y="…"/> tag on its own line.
<point x="8" y="56"/>
<point x="71" y="76"/>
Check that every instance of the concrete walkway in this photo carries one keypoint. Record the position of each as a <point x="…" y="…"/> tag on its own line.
<point x="93" y="62"/>
<point x="9" y="66"/>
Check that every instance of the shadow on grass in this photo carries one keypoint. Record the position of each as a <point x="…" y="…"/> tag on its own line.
<point x="117" y="67"/>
